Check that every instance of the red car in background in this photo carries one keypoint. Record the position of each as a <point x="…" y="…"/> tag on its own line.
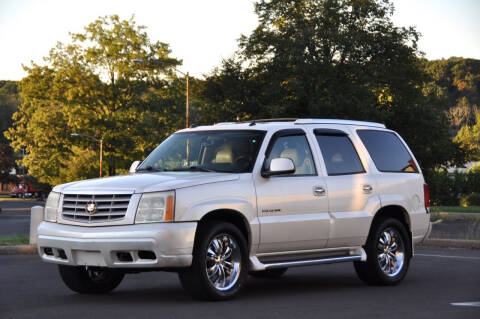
<point x="25" y="189"/>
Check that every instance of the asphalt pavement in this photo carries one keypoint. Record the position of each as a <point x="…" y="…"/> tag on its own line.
<point x="437" y="278"/>
<point x="15" y="216"/>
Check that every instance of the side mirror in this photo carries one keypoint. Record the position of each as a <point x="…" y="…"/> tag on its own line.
<point x="133" y="167"/>
<point x="279" y="166"/>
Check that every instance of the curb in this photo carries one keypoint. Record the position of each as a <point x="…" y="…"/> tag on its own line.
<point x="18" y="250"/>
<point x="450" y="243"/>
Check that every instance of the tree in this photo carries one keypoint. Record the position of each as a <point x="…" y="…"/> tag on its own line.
<point x="8" y="105"/>
<point x="333" y="59"/>
<point x="93" y="87"/>
<point x="469" y="139"/>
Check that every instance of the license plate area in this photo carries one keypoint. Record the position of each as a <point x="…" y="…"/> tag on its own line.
<point x="88" y="258"/>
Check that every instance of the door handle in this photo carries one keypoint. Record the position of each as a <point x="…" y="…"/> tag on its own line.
<point x="367" y="189"/>
<point x="319" y="191"/>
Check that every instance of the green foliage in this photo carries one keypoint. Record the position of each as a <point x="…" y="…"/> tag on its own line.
<point x="455" y="209"/>
<point x="93" y="87"/>
<point x="457" y="82"/>
<point x="447" y="189"/>
<point x="7" y="162"/>
<point x="472" y="199"/>
<point x="469" y="140"/>
<point x="14" y="240"/>
<point x="8" y="105"/>
<point x="332" y="59"/>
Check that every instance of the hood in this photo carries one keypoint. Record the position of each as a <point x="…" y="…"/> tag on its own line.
<point x="145" y="182"/>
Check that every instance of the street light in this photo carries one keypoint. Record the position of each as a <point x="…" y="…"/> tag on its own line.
<point x="100" y="141"/>
<point x="160" y="62"/>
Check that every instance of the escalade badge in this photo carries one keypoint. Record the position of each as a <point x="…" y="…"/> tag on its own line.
<point x="91" y="208"/>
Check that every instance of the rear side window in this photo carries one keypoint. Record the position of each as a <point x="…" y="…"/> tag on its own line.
<point x="387" y="151"/>
<point x="339" y="155"/>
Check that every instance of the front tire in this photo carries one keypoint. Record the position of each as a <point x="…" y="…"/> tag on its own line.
<point x="219" y="264"/>
<point x="91" y="280"/>
<point x="388" y="254"/>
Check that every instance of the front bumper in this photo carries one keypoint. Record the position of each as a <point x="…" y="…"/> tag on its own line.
<point x="157" y="245"/>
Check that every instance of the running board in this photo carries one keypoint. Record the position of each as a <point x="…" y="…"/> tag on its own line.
<point x="310" y="262"/>
<point x="357" y="254"/>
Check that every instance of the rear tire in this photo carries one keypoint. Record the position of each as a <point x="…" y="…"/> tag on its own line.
<point x="91" y="280"/>
<point x="219" y="265"/>
<point x="269" y="273"/>
<point x="388" y="254"/>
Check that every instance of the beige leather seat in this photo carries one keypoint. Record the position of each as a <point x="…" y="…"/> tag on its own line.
<point x="301" y="166"/>
<point x="224" y="155"/>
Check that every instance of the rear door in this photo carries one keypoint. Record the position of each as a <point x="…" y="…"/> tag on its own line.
<point x="292" y="209"/>
<point x="398" y="175"/>
<point x="352" y="191"/>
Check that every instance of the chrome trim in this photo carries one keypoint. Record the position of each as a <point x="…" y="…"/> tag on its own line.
<point x="223" y="262"/>
<point x="310" y="262"/>
<point x="390" y="252"/>
<point x="342" y="122"/>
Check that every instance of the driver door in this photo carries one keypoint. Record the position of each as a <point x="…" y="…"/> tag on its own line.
<point x="292" y="209"/>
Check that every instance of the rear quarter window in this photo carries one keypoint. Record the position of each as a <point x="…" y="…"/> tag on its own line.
<point x="387" y="151"/>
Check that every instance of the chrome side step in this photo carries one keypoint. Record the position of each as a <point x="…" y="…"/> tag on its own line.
<point x="309" y="262"/>
<point x="353" y="254"/>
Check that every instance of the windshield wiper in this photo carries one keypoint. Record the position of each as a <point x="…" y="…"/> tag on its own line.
<point x="150" y="169"/>
<point x="193" y="168"/>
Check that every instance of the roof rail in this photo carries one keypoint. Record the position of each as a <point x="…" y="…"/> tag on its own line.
<point x="225" y="123"/>
<point x="281" y="119"/>
<point x="334" y="121"/>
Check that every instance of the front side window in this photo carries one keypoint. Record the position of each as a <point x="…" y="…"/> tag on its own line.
<point x="339" y="155"/>
<point x="387" y="151"/>
<point x="296" y="148"/>
<point x="233" y="151"/>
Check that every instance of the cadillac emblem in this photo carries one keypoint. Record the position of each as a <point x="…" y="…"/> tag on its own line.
<point x="91" y="208"/>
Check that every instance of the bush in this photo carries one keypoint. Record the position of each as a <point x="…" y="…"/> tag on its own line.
<point x="447" y="189"/>
<point x="472" y="199"/>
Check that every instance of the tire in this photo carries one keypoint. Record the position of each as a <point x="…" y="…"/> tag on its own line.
<point x="219" y="265"/>
<point x="388" y="254"/>
<point x="269" y="273"/>
<point x="91" y="280"/>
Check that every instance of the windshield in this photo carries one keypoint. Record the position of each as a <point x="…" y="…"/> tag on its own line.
<point x="232" y="151"/>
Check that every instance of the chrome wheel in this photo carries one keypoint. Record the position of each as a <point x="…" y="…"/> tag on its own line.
<point x="223" y="262"/>
<point x="390" y="252"/>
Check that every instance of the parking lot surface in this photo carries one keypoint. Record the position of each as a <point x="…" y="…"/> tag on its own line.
<point x="437" y="278"/>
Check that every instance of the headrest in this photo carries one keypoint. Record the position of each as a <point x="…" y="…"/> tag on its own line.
<point x="290" y="153"/>
<point x="224" y="155"/>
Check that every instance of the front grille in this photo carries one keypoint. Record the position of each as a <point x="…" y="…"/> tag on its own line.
<point x="109" y="207"/>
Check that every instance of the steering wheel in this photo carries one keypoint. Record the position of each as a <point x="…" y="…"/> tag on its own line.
<point x="243" y="161"/>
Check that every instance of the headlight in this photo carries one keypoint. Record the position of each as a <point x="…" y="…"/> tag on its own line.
<point x="51" y="207"/>
<point x="155" y="207"/>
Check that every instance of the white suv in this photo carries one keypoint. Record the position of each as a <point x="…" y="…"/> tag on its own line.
<point x="216" y="203"/>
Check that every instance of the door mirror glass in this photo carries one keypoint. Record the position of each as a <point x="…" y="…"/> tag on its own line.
<point x="279" y="166"/>
<point x="133" y="167"/>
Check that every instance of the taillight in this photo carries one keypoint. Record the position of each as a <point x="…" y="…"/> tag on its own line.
<point x="426" y="196"/>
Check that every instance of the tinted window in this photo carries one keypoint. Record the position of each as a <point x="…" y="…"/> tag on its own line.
<point x="297" y="149"/>
<point x="221" y="151"/>
<point x="387" y="151"/>
<point x="339" y="155"/>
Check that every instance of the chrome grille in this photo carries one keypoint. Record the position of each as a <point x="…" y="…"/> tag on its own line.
<point x="109" y="207"/>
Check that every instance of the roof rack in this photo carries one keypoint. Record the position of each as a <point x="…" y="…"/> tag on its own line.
<point x="282" y="119"/>
<point x="335" y="121"/>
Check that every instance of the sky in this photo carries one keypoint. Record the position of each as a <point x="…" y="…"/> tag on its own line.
<point x="201" y="33"/>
